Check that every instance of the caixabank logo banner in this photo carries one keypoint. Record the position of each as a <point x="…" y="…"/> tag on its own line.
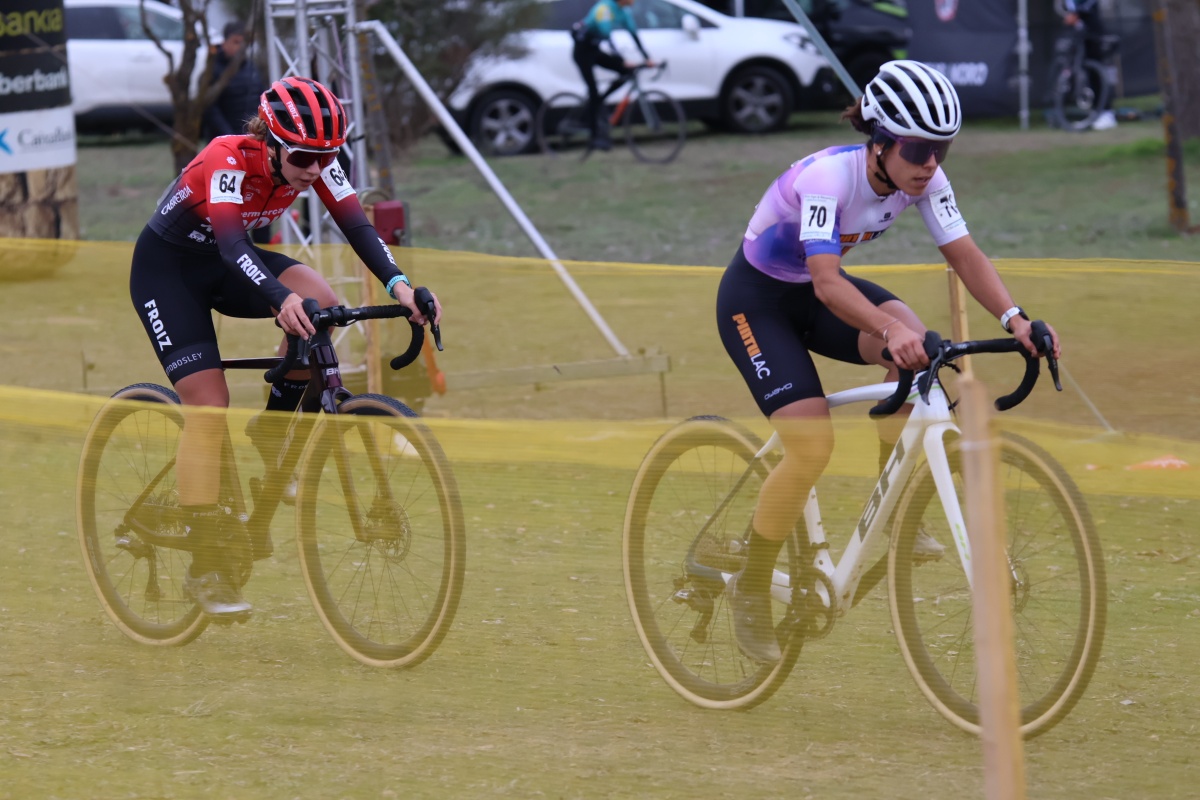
<point x="33" y="56"/>
<point x="41" y="139"/>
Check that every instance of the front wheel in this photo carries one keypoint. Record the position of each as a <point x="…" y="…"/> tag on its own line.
<point x="686" y="526"/>
<point x="562" y="125"/>
<point x="380" y="532"/>
<point x="655" y="128"/>
<point x="1057" y="585"/>
<point x="127" y="470"/>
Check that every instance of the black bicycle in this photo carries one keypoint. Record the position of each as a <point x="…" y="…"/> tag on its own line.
<point x="378" y="519"/>
<point x="1080" y="87"/>
<point x="654" y="124"/>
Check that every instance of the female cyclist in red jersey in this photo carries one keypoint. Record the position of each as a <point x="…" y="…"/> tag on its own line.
<point x="195" y="256"/>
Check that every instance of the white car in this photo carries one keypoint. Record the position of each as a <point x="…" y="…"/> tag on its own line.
<point x="741" y="74"/>
<point x="116" y="69"/>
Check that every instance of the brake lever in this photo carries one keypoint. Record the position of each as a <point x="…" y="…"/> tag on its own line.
<point x="1044" y="342"/>
<point x="936" y="348"/>
<point x="428" y="307"/>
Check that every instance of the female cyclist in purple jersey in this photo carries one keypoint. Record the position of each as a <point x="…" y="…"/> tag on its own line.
<point x="785" y="296"/>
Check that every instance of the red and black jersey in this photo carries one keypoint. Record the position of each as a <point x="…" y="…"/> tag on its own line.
<point x="228" y="189"/>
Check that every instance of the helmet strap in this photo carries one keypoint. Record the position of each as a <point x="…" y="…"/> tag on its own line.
<point x="882" y="144"/>
<point x="273" y="152"/>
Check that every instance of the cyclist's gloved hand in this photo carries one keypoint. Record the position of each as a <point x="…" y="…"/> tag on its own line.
<point x="404" y="295"/>
<point x="907" y="347"/>
<point x="1022" y="330"/>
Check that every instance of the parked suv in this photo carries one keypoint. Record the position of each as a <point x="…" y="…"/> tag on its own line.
<point x="745" y="75"/>
<point x="116" y="69"/>
<point x="863" y="34"/>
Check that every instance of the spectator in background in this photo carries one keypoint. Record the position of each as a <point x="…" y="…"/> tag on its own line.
<point x="1084" y="15"/>
<point x="238" y="101"/>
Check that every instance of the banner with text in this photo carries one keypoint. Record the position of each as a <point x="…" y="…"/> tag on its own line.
<point x="38" y="192"/>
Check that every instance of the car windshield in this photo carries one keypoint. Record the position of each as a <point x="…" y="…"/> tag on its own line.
<point x="650" y="14"/>
<point x="164" y="27"/>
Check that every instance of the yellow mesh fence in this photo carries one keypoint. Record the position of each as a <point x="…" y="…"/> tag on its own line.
<point x="545" y="638"/>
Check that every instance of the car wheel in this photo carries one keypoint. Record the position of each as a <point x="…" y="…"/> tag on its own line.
<point x="757" y="99"/>
<point x="503" y="123"/>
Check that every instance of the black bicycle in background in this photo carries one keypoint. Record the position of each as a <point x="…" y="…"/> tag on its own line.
<point x="379" y="524"/>
<point x="654" y="124"/>
<point x="1080" y="88"/>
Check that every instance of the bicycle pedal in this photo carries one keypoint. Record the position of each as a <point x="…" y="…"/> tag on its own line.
<point x="228" y="620"/>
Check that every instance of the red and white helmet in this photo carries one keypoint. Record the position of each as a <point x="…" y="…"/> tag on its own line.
<point x="303" y="114"/>
<point x="908" y="98"/>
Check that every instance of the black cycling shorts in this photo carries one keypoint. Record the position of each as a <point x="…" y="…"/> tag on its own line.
<point x="769" y="328"/>
<point x="175" y="289"/>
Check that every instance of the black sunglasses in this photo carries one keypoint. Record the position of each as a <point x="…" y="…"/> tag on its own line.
<point x="917" y="151"/>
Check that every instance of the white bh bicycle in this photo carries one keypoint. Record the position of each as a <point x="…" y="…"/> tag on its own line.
<point x="688" y="519"/>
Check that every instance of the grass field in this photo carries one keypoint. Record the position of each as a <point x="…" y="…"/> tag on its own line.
<point x="541" y="688"/>
<point x="1039" y="193"/>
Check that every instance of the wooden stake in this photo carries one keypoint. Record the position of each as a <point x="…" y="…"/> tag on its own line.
<point x="959" y="330"/>
<point x="999" y="705"/>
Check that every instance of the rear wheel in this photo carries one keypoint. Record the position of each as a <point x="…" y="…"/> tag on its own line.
<point x="503" y="123"/>
<point x="381" y="538"/>
<point x="757" y="99"/>
<point x="686" y="525"/>
<point x="655" y="128"/>
<point x="128" y="463"/>
<point x="1079" y="96"/>
<point x="562" y="125"/>
<point x="1058" y="591"/>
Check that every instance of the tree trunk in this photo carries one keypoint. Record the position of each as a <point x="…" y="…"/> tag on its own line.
<point x="1183" y="31"/>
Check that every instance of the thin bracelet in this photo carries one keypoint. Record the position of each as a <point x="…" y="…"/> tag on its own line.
<point x="882" y="330"/>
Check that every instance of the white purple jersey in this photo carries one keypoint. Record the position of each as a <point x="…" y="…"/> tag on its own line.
<point x="825" y="204"/>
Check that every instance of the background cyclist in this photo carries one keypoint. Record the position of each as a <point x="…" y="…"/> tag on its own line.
<point x="785" y="296"/>
<point x="589" y="33"/>
<point x="1084" y="15"/>
<point x="194" y="255"/>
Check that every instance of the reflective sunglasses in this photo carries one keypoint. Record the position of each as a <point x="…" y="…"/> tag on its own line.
<point x="917" y="151"/>
<point x="303" y="159"/>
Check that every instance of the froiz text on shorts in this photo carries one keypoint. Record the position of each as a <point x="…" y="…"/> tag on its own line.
<point x="156" y="325"/>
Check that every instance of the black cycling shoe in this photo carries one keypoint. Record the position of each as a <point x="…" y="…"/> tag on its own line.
<point x="217" y="596"/>
<point x="752" y="626"/>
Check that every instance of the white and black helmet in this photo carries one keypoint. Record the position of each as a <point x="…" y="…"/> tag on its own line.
<point x="908" y="98"/>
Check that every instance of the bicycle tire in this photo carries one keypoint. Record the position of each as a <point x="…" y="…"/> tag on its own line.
<point x="385" y="581"/>
<point x="1059" y="594"/>
<point x="139" y="585"/>
<point x="655" y="127"/>
<point x="682" y="619"/>
<point x="1076" y="103"/>
<point x="561" y="124"/>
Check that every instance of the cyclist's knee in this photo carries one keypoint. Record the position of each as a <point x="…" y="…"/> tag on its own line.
<point x="205" y="388"/>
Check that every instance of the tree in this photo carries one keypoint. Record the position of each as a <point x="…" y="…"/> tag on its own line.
<point x="1183" y="31"/>
<point x="188" y="105"/>
<point x="441" y="38"/>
